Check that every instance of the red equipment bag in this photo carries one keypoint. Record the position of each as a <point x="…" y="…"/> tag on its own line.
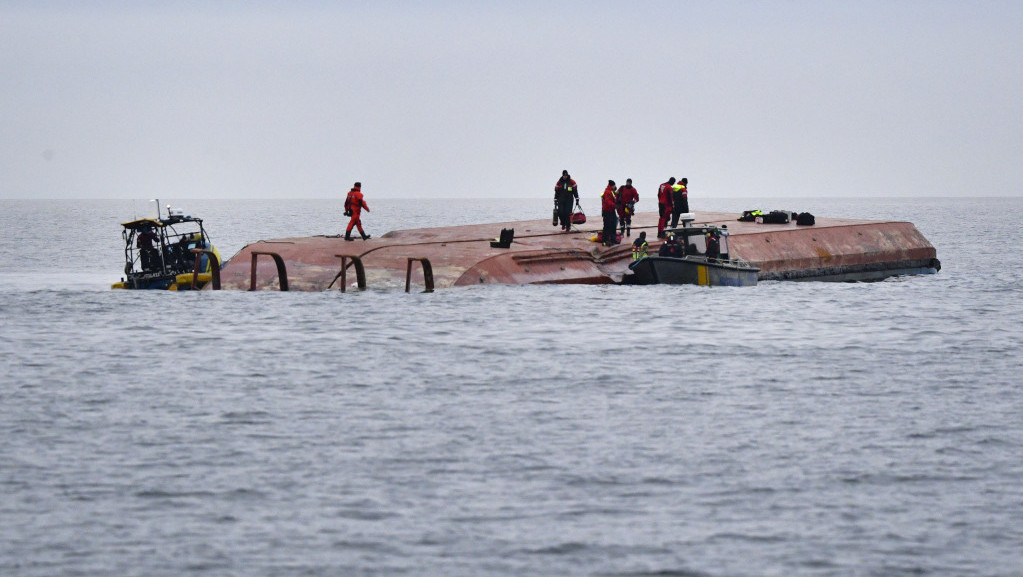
<point x="578" y="217"/>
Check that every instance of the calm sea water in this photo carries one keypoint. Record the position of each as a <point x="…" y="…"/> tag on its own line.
<point x="784" y="429"/>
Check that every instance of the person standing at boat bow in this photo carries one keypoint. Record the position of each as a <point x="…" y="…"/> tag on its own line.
<point x="353" y="208"/>
<point x="565" y="192"/>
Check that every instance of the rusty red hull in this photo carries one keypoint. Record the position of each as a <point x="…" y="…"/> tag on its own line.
<point x="540" y="253"/>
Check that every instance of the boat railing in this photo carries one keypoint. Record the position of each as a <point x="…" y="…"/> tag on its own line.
<point x="214" y="268"/>
<point x="427" y="273"/>
<point x="360" y="272"/>
<point x="282" y="272"/>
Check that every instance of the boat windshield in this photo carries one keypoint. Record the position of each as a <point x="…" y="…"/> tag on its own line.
<point x="696" y="244"/>
<point x="709" y="242"/>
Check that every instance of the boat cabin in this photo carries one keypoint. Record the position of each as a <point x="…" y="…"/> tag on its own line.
<point x="707" y="241"/>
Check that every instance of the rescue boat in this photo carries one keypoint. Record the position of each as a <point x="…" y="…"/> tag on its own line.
<point x="696" y="255"/>
<point x="172" y="253"/>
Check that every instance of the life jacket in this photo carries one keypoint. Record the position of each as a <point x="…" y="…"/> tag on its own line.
<point x="638" y="249"/>
<point x="354" y="201"/>
<point x="567" y="186"/>
<point x="750" y="215"/>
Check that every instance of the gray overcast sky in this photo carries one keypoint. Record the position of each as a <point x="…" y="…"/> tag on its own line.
<point x="298" y="99"/>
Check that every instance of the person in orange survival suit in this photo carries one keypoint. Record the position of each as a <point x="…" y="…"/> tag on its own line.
<point x="353" y="208"/>
<point x="664" y="205"/>
<point x="626" y="206"/>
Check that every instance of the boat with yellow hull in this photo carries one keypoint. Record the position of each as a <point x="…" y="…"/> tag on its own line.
<point x="172" y="253"/>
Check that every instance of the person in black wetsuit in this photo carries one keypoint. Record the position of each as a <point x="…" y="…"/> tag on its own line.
<point x="565" y="192"/>
<point x="679" y="200"/>
<point x="149" y="257"/>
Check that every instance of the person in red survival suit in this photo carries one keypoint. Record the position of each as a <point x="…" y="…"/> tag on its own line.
<point x="626" y="206"/>
<point x="607" y="209"/>
<point x="565" y="191"/>
<point x="664" y="205"/>
<point x="353" y="208"/>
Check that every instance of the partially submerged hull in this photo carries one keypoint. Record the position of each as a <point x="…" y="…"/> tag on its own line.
<point x="832" y="249"/>
<point x="690" y="270"/>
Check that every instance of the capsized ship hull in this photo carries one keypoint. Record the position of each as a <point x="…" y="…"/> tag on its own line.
<point x="832" y="249"/>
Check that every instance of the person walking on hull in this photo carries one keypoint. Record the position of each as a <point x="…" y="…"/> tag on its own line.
<point x="679" y="200"/>
<point x="565" y="192"/>
<point x="626" y="207"/>
<point x="664" y="205"/>
<point x="607" y="210"/>
<point x="353" y="208"/>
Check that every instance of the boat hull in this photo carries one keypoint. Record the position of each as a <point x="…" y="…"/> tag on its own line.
<point x="670" y="270"/>
<point x="166" y="282"/>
